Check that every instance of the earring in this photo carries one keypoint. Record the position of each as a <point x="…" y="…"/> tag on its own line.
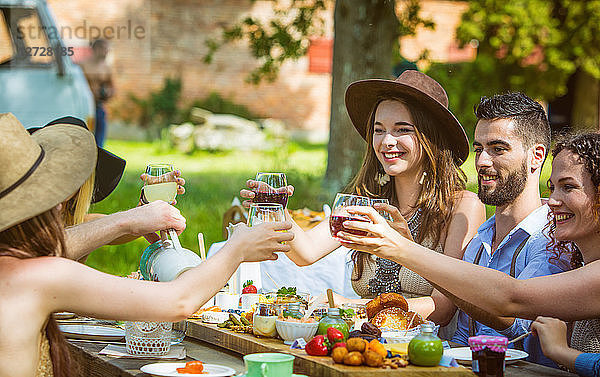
<point x="382" y="178"/>
<point x="423" y="178"/>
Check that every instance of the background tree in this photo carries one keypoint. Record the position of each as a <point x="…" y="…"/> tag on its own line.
<point x="534" y="46"/>
<point x="366" y="35"/>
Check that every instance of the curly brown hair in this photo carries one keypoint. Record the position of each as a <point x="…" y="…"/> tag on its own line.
<point x="566" y="254"/>
<point x="42" y="235"/>
<point x="444" y="179"/>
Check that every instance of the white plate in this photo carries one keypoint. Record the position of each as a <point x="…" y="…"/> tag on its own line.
<point x="170" y="369"/>
<point x="92" y="332"/>
<point x="63" y="315"/>
<point x="464" y="356"/>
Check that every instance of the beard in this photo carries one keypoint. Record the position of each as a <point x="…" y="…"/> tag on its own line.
<point x="508" y="187"/>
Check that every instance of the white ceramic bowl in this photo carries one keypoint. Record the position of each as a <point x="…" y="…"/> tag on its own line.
<point x="290" y="331"/>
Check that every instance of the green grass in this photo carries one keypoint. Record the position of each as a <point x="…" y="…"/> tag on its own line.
<point x="212" y="181"/>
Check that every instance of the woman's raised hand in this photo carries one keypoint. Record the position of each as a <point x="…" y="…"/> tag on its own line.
<point x="261" y="242"/>
<point x="381" y="239"/>
<point x="249" y="194"/>
<point x="399" y="224"/>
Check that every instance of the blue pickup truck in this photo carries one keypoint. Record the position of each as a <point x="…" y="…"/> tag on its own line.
<point x="38" y="80"/>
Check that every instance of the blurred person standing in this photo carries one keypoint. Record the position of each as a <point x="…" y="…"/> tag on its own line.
<point x="98" y="72"/>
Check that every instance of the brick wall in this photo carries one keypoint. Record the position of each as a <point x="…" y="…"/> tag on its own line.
<point x="174" y="32"/>
<point x="173" y="45"/>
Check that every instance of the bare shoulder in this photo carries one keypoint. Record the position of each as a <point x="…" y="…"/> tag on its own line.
<point x="468" y="201"/>
<point x="31" y="273"/>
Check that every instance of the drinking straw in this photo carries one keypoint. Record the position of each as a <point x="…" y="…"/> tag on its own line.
<point x="201" y="248"/>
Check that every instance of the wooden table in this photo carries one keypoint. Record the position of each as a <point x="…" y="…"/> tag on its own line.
<point x="224" y="347"/>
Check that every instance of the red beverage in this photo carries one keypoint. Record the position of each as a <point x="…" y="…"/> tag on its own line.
<point x="336" y="225"/>
<point x="271" y="197"/>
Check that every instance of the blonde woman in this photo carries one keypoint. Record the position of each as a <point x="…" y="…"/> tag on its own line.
<point x="88" y="231"/>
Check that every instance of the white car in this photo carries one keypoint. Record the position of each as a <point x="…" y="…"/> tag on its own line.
<point x="38" y="80"/>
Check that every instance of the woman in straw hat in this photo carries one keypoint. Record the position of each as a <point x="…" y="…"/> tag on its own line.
<point x="574" y="236"/>
<point x="38" y="175"/>
<point x="416" y="147"/>
<point x="116" y="228"/>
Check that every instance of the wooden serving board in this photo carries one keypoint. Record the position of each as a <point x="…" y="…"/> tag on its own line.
<point x="310" y="365"/>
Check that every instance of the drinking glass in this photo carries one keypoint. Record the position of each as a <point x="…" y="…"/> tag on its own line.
<point x="339" y="213"/>
<point x="272" y="188"/>
<point x="178" y="332"/>
<point x="159" y="185"/>
<point x="265" y="212"/>
<point x="383" y="213"/>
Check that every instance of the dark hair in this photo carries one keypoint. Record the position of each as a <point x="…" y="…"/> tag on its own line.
<point x="42" y="235"/>
<point x="530" y="119"/>
<point x="96" y="43"/>
<point x="444" y="179"/>
<point x="587" y="147"/>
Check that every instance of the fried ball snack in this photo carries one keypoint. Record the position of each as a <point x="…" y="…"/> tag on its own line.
<point x="356" y="344"/>
<point x="338" y="354"/>
<point x="373" y="359"/>
<point x="353" y="358"/>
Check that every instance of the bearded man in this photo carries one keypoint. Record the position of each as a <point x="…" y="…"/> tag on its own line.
<point x="512" y="138"/>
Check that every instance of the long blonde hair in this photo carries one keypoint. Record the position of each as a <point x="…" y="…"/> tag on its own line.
<point x="443" y="181"/>
<point x="78" y="206"/>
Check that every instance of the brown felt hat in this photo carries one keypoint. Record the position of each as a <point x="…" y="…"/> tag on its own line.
<point x="362" y="95"/>
<point x="42" y="170"/>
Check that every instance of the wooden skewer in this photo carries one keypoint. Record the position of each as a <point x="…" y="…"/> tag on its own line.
<point x="273" y="280"/>
<point x="520" y="337"/>
<point x="330" y="298"/>
<point x="409" y="324"/>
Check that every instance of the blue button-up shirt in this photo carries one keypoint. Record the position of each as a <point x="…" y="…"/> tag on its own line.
<point x="531" y="262"/>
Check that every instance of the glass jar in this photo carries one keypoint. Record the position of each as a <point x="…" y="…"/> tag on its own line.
<point x="425" y="349"/>
<point x="162" y="262"/>
<point x="333" y="319"/>
<point x="263" y="321"/>
<point x="293" y="311"/>
<point x="488" y="354"/>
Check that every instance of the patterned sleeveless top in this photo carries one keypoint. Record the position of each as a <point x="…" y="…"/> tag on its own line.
<point x="586" y="336"/>
<point x="383" y="276"/>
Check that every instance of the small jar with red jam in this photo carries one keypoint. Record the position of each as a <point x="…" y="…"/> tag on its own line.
<point x="488" y="355"/>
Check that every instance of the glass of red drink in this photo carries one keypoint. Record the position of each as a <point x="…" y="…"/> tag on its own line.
<point x="339" y="213"/>
<point x="272" y="188"/>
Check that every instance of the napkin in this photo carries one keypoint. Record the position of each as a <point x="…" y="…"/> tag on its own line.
<point x="448" y="361"/>
<point x="175" y="353"/>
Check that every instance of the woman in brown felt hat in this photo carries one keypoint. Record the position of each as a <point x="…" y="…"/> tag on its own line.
<point x="38" y="173"/>
<point x="416" y="147"/>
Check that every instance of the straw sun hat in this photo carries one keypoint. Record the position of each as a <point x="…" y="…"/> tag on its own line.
<point x="362" y="95"/>
<point x="40" y="171"/>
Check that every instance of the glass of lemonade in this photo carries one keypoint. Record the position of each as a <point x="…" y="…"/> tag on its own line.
<point x="160" y="184"/>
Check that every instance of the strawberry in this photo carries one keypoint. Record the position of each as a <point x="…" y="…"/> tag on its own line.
<point x="334" y="335"/>
<point x="249" y="287"/>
